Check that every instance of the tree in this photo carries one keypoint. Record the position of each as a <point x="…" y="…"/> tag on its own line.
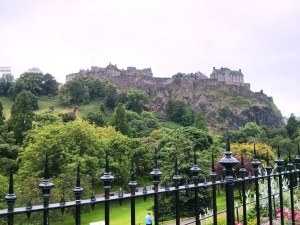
<point x="96" y="88"/>
<point x="73" y="92"/>
<point x="49" y="85"/>
<point x="292" y="126"/>
<point x="2" y="118"/>
<point x="21" y="116"/>
<point x="200" y="122"/>
<point x="111" y="95"/>
<point x="66" y="144"/>
<point x="67" y="117"/>
<point x="119" y="120"/>
<point x="35" y="82"/>
<point x="178" y="112"/>
<point x="136" y="100"/>
<point x="96" y="118"/>
<point x="179" y="145"/>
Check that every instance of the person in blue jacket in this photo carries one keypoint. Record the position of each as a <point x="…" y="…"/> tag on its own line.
<point x="148" y="219"/>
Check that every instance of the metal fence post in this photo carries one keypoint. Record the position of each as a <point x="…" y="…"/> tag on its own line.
<point x="255" y="164"/>
<point x="46" y="186"/>
<point x="156" y="174"/>
<point x="10" y="200"/>
<point x="228" y="161"/>
<point x="298" y="166"/>
<point x="243" y="172"/>
<point x="132" y="185"/>
<point x="280" y="162"/>
<point x="213" y="176"/>
<point x="176" y="179"/>
<point x="107" y="179"/>
<point x="195" y="172"/>
<point x="269" y="170"/>
<point x="291" y="177"/>
<point x="78" y="192"/>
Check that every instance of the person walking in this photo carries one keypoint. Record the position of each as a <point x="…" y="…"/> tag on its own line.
<point x="148" y="218"/>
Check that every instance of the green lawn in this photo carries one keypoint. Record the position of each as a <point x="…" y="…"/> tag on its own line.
<point x="118" y="214"/>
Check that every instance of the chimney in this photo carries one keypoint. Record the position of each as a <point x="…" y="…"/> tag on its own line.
<point x="240" y="70"/>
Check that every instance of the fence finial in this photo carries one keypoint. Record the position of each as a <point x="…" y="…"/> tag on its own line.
<point x="46" y="174"/>
<point x="78" y="175"/>
<point x="227" y="141"/>
<point x="278" y="152"/>
<point x="132" y="184"/>
<point x="212" y="163"/>
<point x="255" y="163"/>
<point x="176" y="177"/>
<point x="243" y="170"/>
<point x="10" y="197"/>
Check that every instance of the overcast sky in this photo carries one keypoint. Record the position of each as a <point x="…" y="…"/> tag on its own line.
<point x="261" y="37"/>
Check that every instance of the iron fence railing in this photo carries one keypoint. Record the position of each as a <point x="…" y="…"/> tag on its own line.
<point x="228" y="162"/>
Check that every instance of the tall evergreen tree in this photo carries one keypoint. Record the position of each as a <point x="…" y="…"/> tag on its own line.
<point x="119" y="119"/>
<point x="21" y="116"/>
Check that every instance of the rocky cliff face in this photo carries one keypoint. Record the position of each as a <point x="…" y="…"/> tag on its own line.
<point x="223" y="105"/>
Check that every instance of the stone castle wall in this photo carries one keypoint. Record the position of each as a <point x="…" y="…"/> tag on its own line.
<point x="146" y="82"/>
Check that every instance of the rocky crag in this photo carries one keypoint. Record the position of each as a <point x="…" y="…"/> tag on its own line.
<point x="223" y="102"/>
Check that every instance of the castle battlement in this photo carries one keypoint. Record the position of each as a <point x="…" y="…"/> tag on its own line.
<point x="112" y="73"/>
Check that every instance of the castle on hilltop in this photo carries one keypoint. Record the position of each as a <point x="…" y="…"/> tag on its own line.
<point x="113" y="74"/>
<point x="228" y="76"/>
<point x="111" y="71"/>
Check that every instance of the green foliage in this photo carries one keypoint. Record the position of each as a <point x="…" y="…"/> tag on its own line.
<point x="141" y="125"/>
<point x="292" y="126"/>
<point x="178" y="112"/>
<point x="111" y="95"/>
<point x="96" y="118"/>
<point x="81" y="90"/>
<point x="21" y="116"/>
<point x="8" y="156"/>
<point x="251" y="132"/>
<point x="178" y="75"/>
<point x="45" y="118"/>
<point x="67" y="117"/>
<point x="179" y="145"/>
<point x="66" y="145"/>
<point x="136" y="100"/>
<point x="35" y="82"/>
<point x="119" y="120"/>
<point x="74" y="92"/>
<point x="33" y="101"/>
<point x="96" y="88"/>
<point x="200" y="122"/>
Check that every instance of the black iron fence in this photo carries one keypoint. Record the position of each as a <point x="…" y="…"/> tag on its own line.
<point x="292" y="172"/>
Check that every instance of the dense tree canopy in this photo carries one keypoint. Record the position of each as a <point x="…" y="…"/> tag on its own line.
<point x="136" y="100"/>
<point x="178" y="112"/>
<point x="21" y="116"/>
<point x="66" y="145"/>
<point x="37" y="83"/>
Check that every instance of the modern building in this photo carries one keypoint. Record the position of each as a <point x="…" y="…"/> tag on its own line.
<point x="5" y="70"/>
